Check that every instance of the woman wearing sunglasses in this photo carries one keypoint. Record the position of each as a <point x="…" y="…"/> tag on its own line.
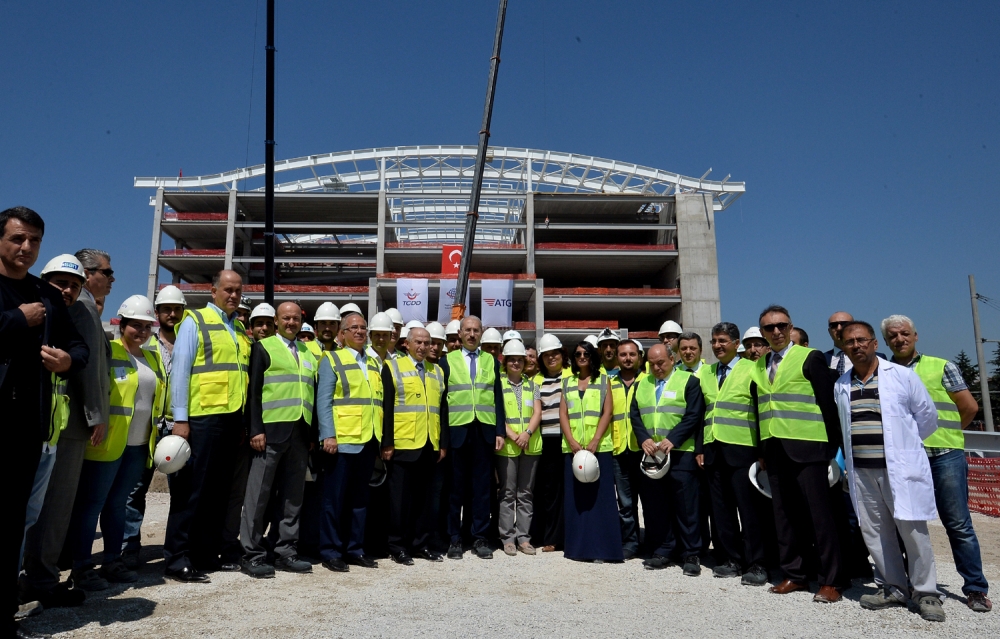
<point x="591" y="510"/>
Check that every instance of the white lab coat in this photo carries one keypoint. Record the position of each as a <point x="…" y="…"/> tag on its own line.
<point x="908" y="418"/>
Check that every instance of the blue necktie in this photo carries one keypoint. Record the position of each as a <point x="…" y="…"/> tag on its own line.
<point x="472" y="365"/>
<point x="660" y="383"/>
<point x="420" y="369"/>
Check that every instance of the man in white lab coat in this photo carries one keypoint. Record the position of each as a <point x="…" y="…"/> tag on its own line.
<point x="886" y="413"/>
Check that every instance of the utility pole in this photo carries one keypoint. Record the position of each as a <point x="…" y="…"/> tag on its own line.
<point x="984" y="379"/>
<point x="269" y="161"/>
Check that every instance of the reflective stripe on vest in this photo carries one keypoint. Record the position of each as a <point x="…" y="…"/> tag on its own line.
<point x="729" y="415"/>
<point x="519" y="417"/>
<point x="357" y="398"/>
<point x="218" y="382"/>
<point x="661" y="417"/>
<point x="949" y="431"/>
<point x="787" y="408"/>
<point x="467" y="400"/>
<point x="417" y="405"/>
<point x="585" y="414"/>
<point x="289" y="387"/>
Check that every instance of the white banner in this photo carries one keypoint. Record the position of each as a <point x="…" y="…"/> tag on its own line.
<point x="498" y="302"/>
<point x="446" y="299"/>
<point x="411" y="299"/>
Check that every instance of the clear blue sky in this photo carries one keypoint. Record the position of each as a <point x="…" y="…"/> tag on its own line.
<point x="867" y="133"/>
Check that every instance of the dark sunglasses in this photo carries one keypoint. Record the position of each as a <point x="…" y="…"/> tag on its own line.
<point x="580" y="354"/>
<point x="108" y="272"/>
<point x="836" y="324"/>
<point x="781" y="326"/>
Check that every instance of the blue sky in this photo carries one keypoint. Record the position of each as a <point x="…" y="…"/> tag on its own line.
<point x="867" y="133"/>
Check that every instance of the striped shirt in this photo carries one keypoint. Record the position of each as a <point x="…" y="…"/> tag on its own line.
<point x="867" y="441"/>
<point x="551" y="396"/>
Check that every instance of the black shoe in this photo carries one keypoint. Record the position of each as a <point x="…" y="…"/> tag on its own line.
<point x="656" y="562"/>
<point x="187" y="575"/>
<point x="628" y="553"/>
<point x="455" y="551"/>
<point x="336" y="565"/>
<point x="402" y="558"/>
<point x="132" y="559"/>
<point x="728" y="569"/>
<point x="24" y="633"/>
<point x="429" y="555"/>
<point x="754" y="576"/>
<point x="292" y="564"/>
<point x="258" y="569"/>
<point x="62" y="596"/>
<point x="692" y="567"/>
<point x="482" y="549"/>
<point x="362" y="560"/>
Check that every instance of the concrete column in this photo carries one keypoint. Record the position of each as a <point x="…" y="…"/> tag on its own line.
<point x="154" y="254"/>
<point x="230" y="230"/>
<point x="380" y="238"/>
<point x="372" y="297"/>
<point x="539" y="310"/>
<point x="698" y="265"/>
<point x="529" y="232"/>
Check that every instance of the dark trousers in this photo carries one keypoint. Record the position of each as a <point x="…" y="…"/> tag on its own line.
<point x="199" y="492"/>
<point x="279" y="470"/>
<point x="547" y="522"/>
<point x="627" y="473"/>
<point x="24" y="441"/>
<point x="377" y="519"/>
<point x="801" y="496"/>
<point x="232" y="550"/>
<point x="670" y="512"/>
<point x="345" y="502"/>
<point x="708" y="527"/>
<point x="411" y="508"/>
<point x="472" y="467"/>
<point x="135" y="512"/>
<point x="734" y="505"/>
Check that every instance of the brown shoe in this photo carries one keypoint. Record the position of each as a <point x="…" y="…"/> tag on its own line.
<point x="548" y="548"/>
<point x="786" y="587"/>
<point x="827" y="594"/>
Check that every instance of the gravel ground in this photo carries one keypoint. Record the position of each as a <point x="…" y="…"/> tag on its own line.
<point x="544" y="595"/>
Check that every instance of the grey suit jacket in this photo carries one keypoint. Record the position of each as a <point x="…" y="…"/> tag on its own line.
<point x="90" y="388"/>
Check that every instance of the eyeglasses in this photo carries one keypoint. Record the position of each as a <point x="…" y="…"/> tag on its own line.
<point x="781" y="326"/>
<point x="108" y="272"/>
<point x="836" y="324"/>
<point x="859" y="341"/>
<point x="580" y="354"/>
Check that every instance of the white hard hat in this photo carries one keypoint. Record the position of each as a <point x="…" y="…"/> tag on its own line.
<point x="395" y="316"/>
<point x="172" y="452"/>
<point x="741" y="348"/>
<point x="262" y="310"/>
<point x="170" y="294"/>
<point x="655" y="466"/>
<point x="491" y="336"/>
<point x="306" y="328"/>
<point x="351" y="307"/>
<point x="670" y="326"/>
<point x="833" y="473"/>
<point x="759" y="480"/>
<point x="752" y="332"/>
<point x="607" y="334"/>
<point x="591" y="339"/>
<point x="327" y="311"/>
<point x="514" y="347"/>
<point x="638" y="345"/>
<point x="137" y="307"/>
<point x="65" y="263"/>
<point x="454" y="327"/>
<point x="405" y="331"/>
<point x="379" y="473"/>
<point x="585" y="467"/>
<point x="436" y="330"/>
<point x="380" y="322"/>
<point x="511" y="334"/>
<point x="244" y="302"/>
<point x="549" y="342"/>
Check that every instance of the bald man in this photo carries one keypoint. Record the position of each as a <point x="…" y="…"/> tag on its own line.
<point x="281" y="401"/>
<point x="836" y="359"/>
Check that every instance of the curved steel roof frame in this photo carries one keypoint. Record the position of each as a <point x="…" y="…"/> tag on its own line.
<point x="444" y="170"/>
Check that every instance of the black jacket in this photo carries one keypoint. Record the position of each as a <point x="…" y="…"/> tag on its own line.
<point x="457" y="433"/>
<point x="692" y="424"/>
<point x="276" y="432"/>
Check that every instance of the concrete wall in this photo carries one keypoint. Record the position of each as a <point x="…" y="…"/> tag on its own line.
<point x="699" y="266"/>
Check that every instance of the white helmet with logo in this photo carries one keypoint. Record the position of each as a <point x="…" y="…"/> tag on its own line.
<point x="670" y="326"/>
<point x="327" y="311"/>
<point x="436" y="330"/>
<point x="491" y="336"/>
<point x="751" y="333"/>
<point x="170" y="294"/>
<point x="351" y="307"/>
<point x="511" y="334"/>
<point x="656" y="465"/>
<point x="172" y="452"/>
<point x="395" y="316"/>
<point x="454" y="327"/>
<point x="306" y="328"/>
<point x="65" y="263"/>
<point x="549" y="342"/>
<point x="380" y="322"/>
<point x="137" y="307"/>
<point x="585" y="467"/>
<point x="262" y="310"/>
<point x="514" y="347"/>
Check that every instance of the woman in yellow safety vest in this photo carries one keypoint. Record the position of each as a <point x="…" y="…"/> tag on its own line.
<point x="113" y="465"/>
<point x="517" y="460"/>
<point x="592" y="532"/>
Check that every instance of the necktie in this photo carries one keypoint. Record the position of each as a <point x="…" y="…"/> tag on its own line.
<point x="723" y="371"/>
<point x="472" y="365"/>
<point x="660" y="383"/>
<point x="775" y="360"/>
<point x="420" y="369"/>
<point x="295" y="351"/>
<point x="840" y="363"/>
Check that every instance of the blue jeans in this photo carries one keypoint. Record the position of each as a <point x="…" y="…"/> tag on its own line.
<point x="626" y="467"/>
<point x="951" y="492"/>
<point x="38" y="489"/>
<point x="103" y="490"/>
<point x="135" y="511"/>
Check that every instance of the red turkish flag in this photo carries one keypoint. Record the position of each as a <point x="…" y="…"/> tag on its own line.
<point x="451" y="257"/>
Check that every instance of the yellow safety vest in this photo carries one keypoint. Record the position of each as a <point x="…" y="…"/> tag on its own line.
<point x="518" y="417"/>
<point x="467" y="400"/>
<point x="417" y="405"/>
<point x="289" y="387"/>
<point x="660" y="417"/>
<point x="729" y="416"/>
<point x="623" y="435"/>
<point x="59" y="416"/>
<point x="315" y="347"/>
<point x="787" y="409"/>
<point x="357" y="398"/>
<point x="949" y="431"/>
<point x="218" y="383"/>
<point x="585" y="413"/>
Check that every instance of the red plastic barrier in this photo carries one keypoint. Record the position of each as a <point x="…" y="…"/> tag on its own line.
<point x="674" y="292"/>
<point x="984" y="485"/>
<point x="580" y="246"/>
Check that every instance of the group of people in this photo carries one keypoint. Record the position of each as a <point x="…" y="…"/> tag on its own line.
<point x="365" y="438"/>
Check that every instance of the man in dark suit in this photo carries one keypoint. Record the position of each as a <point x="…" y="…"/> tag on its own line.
<point x="473" y="409"/>
<point x="37" y="339"/>
<point x="281" y="399"/>
<point x="800" y="433"/>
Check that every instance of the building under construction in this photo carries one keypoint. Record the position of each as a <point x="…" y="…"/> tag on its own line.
<point x="588" y="242"/>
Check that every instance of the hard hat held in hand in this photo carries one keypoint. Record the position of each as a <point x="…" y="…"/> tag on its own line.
<point x="759" y="480"/>
<point x="379" y="473"/>
<point x="171" y="453"/>
<point x="137" y="307"/>
<point x="656" y="465"/>
<point x="585" y="467"/>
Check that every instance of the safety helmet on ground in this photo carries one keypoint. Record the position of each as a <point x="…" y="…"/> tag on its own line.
<point x="514" y="347"/>
<point x="607" y="334"/>
<point x="591" y="339"/>
<point x="670" y="326"/>
<point x="171" y="453"/>
<point x="511" y="334"/>
<point x="65" y="263"/>
<point x="656" y="465"/>
<point x="244" y="303"/>
<point x="436" y="330"/>
<point x="491" y="336"/>
<point x="395" y="316"/>
<point x="262" y="310"/>
<point x="759" y="480"/>
<point x="585" y="467"/>
<point x="306" y="328"/>
<point x="549" y="342"/>
<point x="170" y="294"/>
<point x="454" y="327"/>
<point x="379" y="473"/>
<point x="350" y="307"/>
<point x="751" y="333"/>
<point x="327" y="311"/>
<point x="137" y="307"/>
<point x="405" y="331"/>
<point x="380" y="322"/>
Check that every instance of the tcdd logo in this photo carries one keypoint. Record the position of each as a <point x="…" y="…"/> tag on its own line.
<point x="497" y="302"/>
<point x="411" y="299"/>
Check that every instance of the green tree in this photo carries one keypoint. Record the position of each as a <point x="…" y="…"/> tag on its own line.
<point x="994" y="384"/>
<point x="970" y="373"/>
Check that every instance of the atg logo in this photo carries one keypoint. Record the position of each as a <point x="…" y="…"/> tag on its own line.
<point x="411" y="299"/>
<point x="497" y="302"/>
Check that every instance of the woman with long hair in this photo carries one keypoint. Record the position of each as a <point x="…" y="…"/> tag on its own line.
<point x="547" y="520"/>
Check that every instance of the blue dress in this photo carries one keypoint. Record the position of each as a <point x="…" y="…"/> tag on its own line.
<point x="591" y="511"/>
